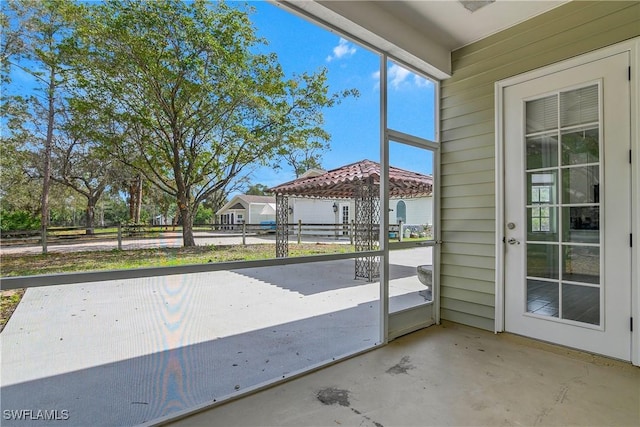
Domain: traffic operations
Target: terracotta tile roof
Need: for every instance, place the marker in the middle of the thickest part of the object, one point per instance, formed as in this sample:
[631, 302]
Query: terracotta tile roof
[342, 182]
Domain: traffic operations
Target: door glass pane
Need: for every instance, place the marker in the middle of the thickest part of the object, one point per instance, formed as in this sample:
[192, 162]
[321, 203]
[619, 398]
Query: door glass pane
[581, 224]
[581, 264]
[542, 261]
[563, 205]
[581, 185]
[541, 187]
[581, 146]
[581, 303]
[542, 151]
[542, 298]
[541, 222]
[579, 106]
[542, 114]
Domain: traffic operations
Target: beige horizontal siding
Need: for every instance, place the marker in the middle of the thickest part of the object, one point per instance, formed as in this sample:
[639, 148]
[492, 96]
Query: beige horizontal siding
[462, 249]
[465, 179]
[471, 285]
[466, 318]
[477, 165]
[487, 152]
[482, 189]
[469, 308]
[469, 119]
[479, 104]
[483, 298]
[471, 225]
[464, 213]
[486, 238]
[477, 141]
[467, 202]
[470, 260]
[468, 137]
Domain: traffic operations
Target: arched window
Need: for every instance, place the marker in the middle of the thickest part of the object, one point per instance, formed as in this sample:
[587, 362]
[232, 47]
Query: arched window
[401, 212]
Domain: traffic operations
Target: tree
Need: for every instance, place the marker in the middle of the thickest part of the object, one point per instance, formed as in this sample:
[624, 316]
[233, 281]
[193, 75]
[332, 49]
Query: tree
[304, 158]
[17, 190]
[257, 190]
[11, 44]
[43, 27]
[198, 104]
[79, 164]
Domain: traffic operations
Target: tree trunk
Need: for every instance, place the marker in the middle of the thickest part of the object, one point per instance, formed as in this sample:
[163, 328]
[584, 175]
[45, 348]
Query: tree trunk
[132, 201]
[89, 215]
[135, 199]
[46, 178]
[187, 226]
[138, 198]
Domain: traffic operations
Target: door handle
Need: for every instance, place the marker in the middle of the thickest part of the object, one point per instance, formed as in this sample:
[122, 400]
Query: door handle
[513, 241]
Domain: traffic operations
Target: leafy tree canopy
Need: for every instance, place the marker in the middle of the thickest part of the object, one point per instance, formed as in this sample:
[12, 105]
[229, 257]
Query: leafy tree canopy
[195, 102]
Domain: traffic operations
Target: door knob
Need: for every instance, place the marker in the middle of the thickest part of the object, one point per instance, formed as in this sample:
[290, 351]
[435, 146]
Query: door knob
[513, 241]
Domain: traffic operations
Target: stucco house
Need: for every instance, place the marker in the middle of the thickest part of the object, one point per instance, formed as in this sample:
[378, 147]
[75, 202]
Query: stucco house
[413, 210]
[318, 197]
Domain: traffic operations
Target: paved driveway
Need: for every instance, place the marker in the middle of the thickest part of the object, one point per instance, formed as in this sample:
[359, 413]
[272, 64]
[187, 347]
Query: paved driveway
[168, 240]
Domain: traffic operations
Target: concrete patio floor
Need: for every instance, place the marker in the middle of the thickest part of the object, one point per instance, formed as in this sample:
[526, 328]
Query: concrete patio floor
[447, 375]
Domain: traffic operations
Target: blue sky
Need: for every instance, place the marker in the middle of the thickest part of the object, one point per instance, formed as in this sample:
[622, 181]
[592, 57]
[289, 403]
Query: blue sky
[354, 124]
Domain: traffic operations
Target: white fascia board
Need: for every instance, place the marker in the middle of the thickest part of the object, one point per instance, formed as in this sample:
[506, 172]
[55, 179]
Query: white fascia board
[368, 24]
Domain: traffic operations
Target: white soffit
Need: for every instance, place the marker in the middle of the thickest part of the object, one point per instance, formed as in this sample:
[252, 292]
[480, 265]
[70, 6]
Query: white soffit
[420, 33]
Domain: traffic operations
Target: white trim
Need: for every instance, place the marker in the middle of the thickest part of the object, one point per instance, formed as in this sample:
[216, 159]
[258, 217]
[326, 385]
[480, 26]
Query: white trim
[437, 236]
[412, 140]
[499, 238]
[384, 204]
[635, 196]
[633, 48]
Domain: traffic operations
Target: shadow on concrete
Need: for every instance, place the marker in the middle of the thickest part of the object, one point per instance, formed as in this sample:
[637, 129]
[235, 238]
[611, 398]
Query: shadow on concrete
[313, 278]
[141, 389]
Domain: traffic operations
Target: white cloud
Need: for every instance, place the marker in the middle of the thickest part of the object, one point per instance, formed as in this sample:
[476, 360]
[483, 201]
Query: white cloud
[397, 75]
[343, 50]
[421, 81]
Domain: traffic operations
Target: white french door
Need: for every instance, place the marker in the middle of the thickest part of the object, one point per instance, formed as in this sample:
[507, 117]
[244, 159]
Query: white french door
[567, 189]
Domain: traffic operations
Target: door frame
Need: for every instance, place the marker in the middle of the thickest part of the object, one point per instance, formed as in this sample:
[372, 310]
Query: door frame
[633, 48]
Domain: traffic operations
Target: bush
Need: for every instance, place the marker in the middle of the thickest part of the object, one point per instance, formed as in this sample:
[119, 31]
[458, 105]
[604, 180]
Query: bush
[18, 220]
[203, 216]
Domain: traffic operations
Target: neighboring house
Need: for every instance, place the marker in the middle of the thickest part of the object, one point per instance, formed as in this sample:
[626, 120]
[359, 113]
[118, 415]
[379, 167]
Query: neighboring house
[162, 220]
[250, 209]
[315, 198]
